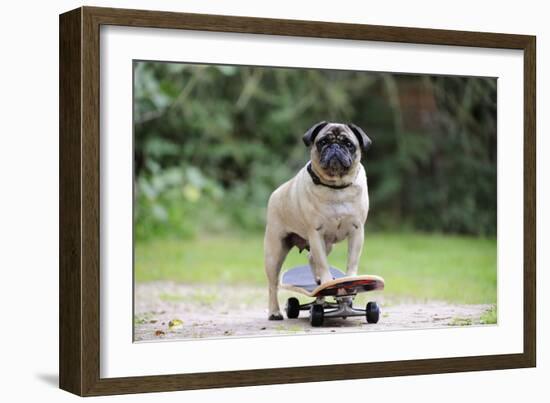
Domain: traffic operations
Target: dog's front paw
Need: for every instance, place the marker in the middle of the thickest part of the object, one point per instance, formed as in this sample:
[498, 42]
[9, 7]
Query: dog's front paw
[325, 279]
[275, 316]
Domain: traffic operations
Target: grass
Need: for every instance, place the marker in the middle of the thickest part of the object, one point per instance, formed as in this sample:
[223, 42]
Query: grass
[421, 266]
[461, 322]
[489, 317]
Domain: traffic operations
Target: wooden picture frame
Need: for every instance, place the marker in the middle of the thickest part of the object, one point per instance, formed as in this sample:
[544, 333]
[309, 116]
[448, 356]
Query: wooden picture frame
[79, 280]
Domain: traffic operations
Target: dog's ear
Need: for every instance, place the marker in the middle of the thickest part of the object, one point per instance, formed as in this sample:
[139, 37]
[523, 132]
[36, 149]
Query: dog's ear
[310, 135]
[364, 140]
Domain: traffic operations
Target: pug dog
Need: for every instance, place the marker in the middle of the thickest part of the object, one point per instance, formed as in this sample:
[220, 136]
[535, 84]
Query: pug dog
[326, 202]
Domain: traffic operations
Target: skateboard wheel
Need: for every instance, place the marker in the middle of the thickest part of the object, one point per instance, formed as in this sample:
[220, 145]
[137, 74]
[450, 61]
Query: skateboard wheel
[316, 315]
[292, 308]
[372, 312]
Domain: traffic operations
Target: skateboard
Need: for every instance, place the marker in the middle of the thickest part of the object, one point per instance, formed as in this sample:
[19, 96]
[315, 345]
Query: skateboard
[343, 289]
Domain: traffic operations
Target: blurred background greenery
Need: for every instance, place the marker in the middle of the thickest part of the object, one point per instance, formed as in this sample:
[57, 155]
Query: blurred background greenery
[212, 143]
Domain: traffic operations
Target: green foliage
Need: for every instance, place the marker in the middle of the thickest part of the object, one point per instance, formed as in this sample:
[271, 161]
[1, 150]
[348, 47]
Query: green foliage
[490, 317]
[174, 201]
[420, 266]
[212, 142]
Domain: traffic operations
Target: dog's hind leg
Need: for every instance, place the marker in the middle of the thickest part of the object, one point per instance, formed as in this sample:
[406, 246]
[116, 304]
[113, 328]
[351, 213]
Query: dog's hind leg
[275, 251]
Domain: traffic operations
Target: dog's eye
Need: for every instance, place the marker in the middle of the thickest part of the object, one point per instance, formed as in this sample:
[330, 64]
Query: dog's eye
[349, 144]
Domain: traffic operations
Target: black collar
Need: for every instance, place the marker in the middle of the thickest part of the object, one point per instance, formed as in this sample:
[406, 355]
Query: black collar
[318, 181]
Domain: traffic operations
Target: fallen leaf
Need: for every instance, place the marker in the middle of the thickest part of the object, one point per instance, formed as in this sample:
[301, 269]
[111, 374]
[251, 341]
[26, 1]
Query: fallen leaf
[153, 321]
[159, 333]
[175, 324]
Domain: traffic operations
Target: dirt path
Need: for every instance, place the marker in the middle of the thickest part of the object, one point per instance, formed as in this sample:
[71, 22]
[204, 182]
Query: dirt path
[166, 310]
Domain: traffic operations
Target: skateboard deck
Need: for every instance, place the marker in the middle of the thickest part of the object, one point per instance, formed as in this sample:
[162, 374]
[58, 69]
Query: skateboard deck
[300, 279]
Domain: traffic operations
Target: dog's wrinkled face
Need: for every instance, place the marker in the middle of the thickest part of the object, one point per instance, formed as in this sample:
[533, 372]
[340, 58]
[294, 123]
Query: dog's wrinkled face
[337, 150]
[336, 147]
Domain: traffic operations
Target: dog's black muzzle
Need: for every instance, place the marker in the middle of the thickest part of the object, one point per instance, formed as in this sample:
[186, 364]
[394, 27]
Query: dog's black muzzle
[335, 158]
